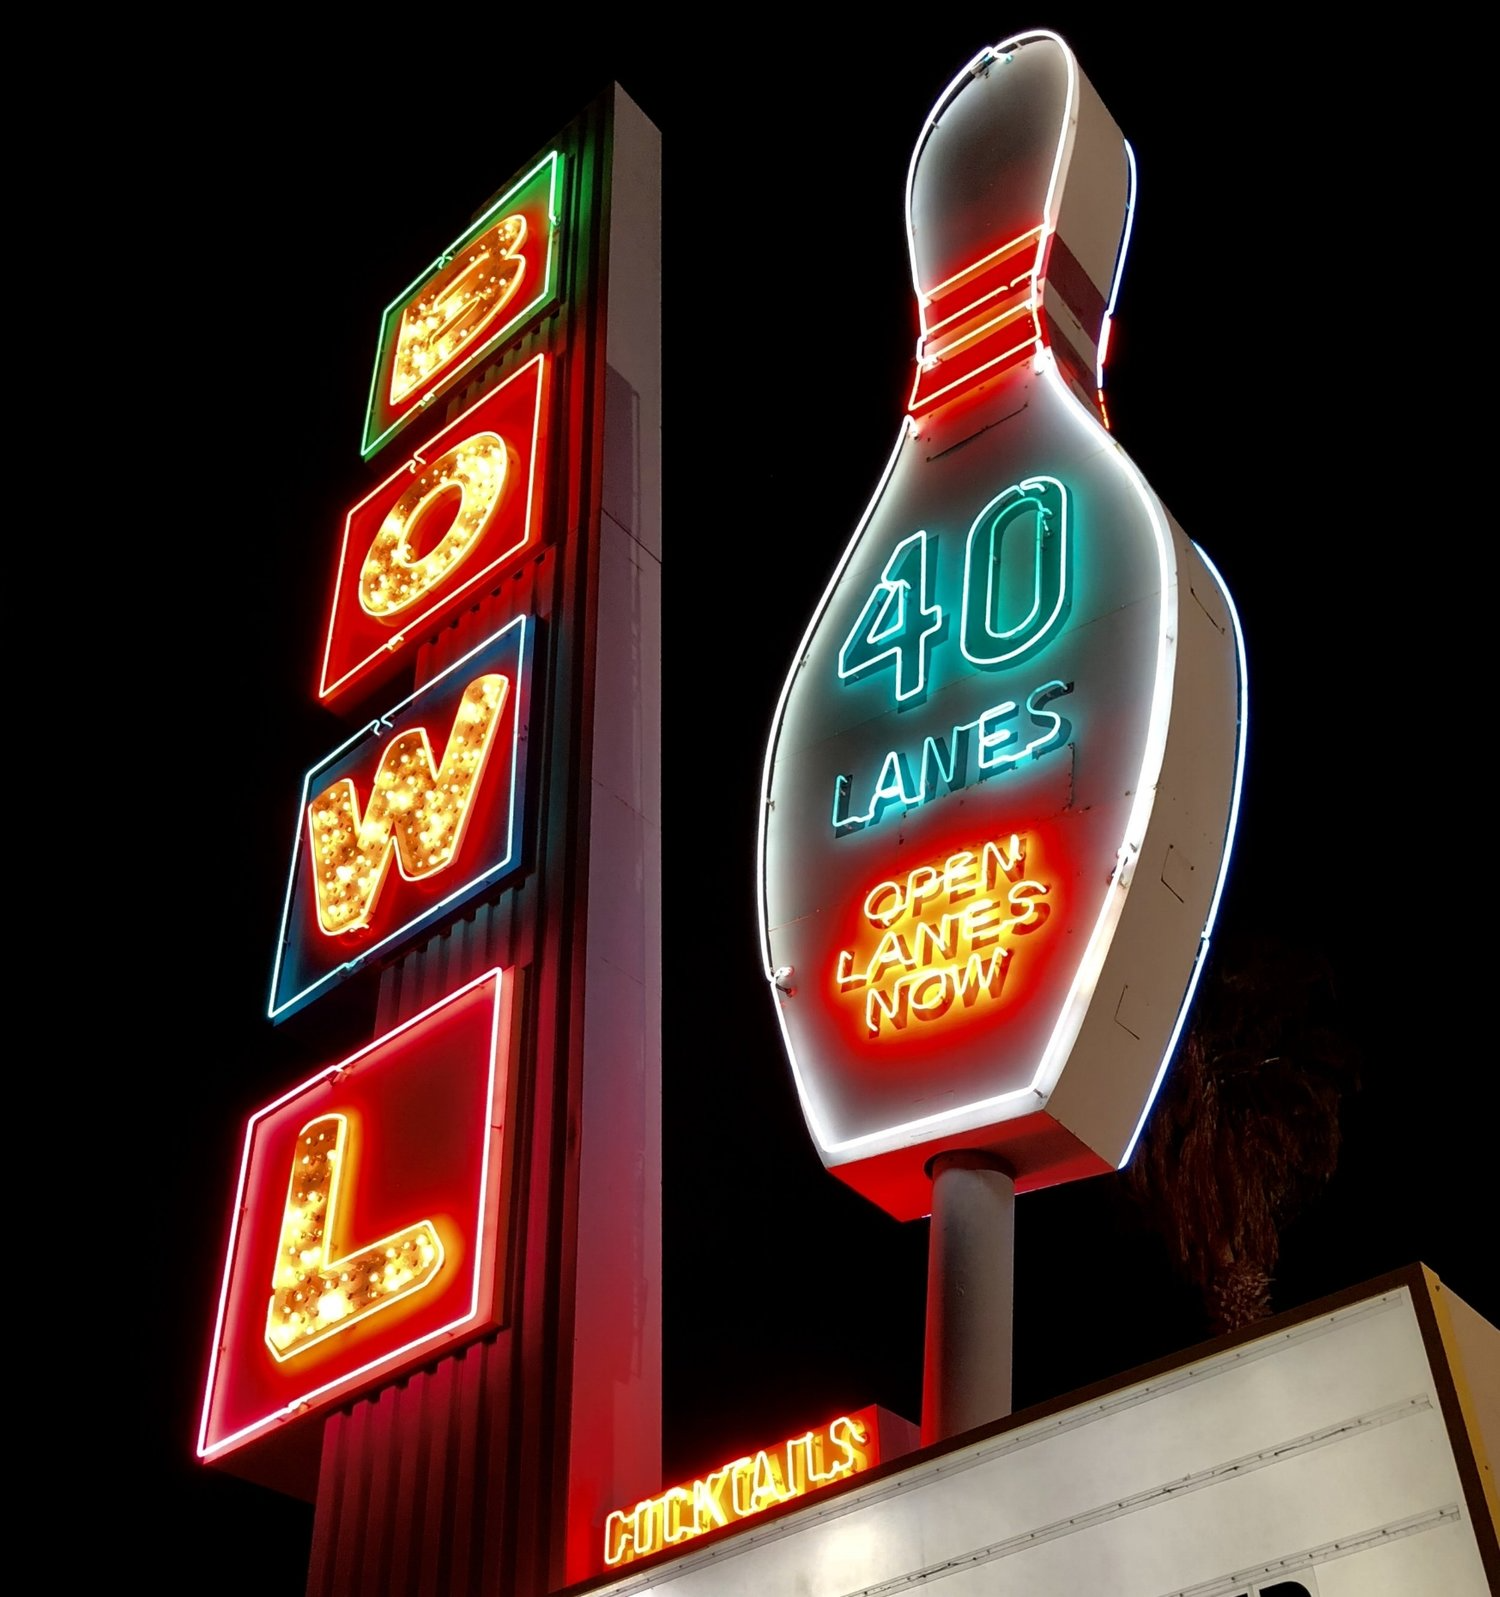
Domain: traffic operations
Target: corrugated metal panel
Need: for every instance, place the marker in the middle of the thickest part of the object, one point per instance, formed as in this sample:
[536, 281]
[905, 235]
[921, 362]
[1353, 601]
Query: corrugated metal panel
[446, 1484]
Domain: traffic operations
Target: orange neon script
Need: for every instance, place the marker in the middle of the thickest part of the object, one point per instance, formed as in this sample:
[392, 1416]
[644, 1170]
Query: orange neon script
[942, 932]
[745, 1486]
[317, 1293]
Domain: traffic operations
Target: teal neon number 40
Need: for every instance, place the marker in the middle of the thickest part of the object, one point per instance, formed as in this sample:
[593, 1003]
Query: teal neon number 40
[1008, 605]
[891, 624]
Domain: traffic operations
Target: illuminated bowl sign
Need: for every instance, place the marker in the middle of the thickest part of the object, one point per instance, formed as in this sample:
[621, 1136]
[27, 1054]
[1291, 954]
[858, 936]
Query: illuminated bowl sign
[414, 814]
[468, 504]
[1001, 781]
[493, 278]
[367, 1230]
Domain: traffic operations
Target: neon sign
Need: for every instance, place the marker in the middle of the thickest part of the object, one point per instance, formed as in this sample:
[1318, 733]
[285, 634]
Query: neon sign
[449, 822]
[462, 510]
[1017, 643]
[415, 812]
[496, 275]
[367, 1231]
[898, 621]
[745, 1486]
[939, 936]
[318, 1292]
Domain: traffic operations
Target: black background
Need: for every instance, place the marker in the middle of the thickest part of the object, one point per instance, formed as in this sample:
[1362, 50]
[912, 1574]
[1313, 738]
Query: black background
[1289, 370]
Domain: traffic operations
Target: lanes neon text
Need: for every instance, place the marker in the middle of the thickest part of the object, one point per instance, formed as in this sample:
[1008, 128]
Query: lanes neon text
[994, 741]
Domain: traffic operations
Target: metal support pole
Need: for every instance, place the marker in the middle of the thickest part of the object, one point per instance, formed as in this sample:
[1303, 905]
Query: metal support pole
[970, 1291]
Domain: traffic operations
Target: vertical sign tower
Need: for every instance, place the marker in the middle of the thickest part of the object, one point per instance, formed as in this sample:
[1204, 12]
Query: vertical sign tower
[440, 1308]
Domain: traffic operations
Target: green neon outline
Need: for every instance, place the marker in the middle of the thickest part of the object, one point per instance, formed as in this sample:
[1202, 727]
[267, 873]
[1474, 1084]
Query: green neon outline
[369, 447]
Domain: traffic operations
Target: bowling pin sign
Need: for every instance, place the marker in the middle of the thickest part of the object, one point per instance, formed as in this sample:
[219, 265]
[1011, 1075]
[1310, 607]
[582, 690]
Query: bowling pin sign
[1002, 778]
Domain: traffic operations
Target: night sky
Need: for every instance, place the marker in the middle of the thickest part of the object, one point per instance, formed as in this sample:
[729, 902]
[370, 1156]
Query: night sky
[1281, 372]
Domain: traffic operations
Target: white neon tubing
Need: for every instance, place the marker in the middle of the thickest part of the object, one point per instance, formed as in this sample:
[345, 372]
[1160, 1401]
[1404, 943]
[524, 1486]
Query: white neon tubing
[1114, 287]
[1048, 224]
[906, 430]
[1070, 1019]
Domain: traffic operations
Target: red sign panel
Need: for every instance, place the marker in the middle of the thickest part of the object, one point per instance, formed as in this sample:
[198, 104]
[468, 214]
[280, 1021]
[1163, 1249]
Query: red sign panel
[447, 519]
[367, 1219]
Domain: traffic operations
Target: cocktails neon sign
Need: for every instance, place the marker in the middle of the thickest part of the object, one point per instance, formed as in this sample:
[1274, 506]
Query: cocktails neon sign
[743, 1487]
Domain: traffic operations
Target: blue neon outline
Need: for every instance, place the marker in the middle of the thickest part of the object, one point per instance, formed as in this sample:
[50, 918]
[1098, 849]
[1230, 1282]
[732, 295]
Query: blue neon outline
[1114, 287]
[275, 1011]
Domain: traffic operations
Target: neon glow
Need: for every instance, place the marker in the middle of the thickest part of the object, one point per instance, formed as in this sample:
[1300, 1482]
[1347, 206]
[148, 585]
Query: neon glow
[973, 750]
[395, 577]
[1114, 286]
[929, 955]
[743, 1487]
[458, 302]
[497, 275]
[998, 319]
[318, 1292]
[1043, 502]
[905, 776]
[415, 812]
[453, 829]
[449, 1067]
[1070, 1018]
[983, 361]
[890, 625]
[403, 567]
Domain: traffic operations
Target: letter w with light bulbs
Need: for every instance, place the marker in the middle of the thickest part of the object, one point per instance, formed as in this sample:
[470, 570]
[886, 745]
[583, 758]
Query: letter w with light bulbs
[1002, 780]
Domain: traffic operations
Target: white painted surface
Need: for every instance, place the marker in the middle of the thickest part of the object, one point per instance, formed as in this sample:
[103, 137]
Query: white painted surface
[1318, 1449]
[616, 1379]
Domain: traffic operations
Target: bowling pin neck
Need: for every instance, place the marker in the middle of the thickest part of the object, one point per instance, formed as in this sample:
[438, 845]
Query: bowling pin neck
[982, 328]
[1019, 199]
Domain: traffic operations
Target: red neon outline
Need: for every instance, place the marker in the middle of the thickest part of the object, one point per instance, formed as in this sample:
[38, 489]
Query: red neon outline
[501, 1027]
[442, 595]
